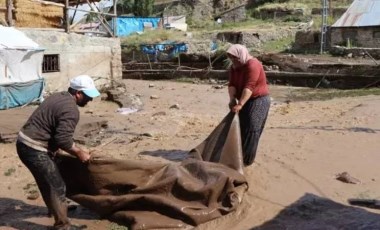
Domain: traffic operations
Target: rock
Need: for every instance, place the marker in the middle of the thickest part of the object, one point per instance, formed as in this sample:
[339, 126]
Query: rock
[162, 113]
[212, 81]
[218, 87]
[175, 106]
[154, 97]
[347, 178]
[349, 55]
[33, 196]
[151, 85]
[124, 100]
[147, 134]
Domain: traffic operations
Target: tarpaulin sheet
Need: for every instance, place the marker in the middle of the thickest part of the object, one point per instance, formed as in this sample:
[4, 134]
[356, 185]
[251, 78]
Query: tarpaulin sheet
[149, 195]
[129, 25]
[168, 47]
[20, 93]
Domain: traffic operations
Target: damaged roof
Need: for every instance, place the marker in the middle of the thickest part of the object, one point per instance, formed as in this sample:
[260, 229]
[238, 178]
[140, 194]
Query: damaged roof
[361, 13]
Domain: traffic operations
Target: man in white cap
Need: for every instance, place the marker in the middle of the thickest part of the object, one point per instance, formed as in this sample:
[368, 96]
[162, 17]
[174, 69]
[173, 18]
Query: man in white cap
[51, 128]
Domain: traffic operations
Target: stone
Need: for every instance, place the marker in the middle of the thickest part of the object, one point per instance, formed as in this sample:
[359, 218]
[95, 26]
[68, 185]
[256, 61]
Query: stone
[175, 106]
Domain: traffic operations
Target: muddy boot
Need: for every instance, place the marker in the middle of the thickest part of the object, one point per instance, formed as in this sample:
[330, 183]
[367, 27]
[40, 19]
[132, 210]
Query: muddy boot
[59, 211]
[71, 205]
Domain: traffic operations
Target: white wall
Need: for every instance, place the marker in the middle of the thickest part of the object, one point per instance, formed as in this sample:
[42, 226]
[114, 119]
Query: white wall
[79, 54]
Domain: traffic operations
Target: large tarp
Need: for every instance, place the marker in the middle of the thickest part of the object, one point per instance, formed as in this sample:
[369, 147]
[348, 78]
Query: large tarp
[128, 25]
[151, 195]
[20, 93]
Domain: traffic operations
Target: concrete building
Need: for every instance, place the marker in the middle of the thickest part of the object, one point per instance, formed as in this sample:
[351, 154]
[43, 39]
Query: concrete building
[66, 54]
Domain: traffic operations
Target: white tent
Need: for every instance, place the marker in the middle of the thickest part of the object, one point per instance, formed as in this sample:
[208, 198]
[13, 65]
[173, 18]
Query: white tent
[20, 69]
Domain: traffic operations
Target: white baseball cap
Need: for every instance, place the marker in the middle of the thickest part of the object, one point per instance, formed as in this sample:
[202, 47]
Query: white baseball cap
[85, 84]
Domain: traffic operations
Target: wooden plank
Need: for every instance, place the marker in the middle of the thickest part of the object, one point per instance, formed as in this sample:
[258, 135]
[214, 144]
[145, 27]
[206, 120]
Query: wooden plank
[91, 11]
[9, 13]
[269, 74]
[101, 19]
[89, 31]
[66, 16]
[49, 3]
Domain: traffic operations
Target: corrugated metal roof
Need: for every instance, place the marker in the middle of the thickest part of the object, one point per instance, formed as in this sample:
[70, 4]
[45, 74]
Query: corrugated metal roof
[360, 13]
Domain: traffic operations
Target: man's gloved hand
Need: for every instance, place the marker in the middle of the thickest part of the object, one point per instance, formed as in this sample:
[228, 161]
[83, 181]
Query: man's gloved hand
[84, 156]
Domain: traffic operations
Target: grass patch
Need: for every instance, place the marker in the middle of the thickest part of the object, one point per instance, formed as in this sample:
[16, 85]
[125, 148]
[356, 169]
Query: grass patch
[248, 24]
[286, 5]
[279, 45]
[152, 37]
[114, 226]
[306, 94]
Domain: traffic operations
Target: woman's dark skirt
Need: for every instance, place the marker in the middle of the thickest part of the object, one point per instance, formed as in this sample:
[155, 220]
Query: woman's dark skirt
[252, 117]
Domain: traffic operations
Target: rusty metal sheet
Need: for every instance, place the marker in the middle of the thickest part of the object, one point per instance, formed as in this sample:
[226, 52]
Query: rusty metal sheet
[361, 13]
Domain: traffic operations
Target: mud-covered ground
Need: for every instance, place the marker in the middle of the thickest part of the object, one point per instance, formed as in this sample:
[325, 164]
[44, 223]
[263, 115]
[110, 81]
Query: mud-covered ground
[293, 182]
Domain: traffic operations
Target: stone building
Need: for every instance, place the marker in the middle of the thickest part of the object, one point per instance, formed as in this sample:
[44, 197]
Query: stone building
[359, 26]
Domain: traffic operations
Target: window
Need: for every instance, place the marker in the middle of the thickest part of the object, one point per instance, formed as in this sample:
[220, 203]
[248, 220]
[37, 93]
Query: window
[50, 63]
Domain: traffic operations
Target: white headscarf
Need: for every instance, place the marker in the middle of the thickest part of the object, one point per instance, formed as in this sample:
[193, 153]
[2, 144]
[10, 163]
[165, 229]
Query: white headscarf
[240, 52]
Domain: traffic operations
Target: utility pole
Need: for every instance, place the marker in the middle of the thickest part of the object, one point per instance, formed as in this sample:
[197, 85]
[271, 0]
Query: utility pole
[325, 14]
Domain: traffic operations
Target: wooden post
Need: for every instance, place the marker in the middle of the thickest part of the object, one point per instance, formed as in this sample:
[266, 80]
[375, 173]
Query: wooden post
[66, 16]
[112, 76]
[209, 60]
[101, 19]
[114, 18]
[147, 55]
[10, 12]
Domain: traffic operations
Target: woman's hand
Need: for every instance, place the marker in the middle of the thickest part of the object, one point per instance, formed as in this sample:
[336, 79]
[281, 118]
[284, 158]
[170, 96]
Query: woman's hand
[232, 103]
[236, 108]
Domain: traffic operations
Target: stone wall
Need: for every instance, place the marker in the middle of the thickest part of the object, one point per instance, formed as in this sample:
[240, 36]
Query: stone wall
[207, 10]
[254, 39]
[234, 15]
[356, 52]
[307, 40]
[98, 57]
[368, 37]
[276, 13]
[334, 12]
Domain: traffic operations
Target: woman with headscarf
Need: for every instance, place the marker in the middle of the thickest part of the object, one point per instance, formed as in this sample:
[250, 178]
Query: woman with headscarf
[249, 97]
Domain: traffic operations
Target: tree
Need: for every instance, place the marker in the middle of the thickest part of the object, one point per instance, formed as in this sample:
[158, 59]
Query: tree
[143, 8]
[126, 6]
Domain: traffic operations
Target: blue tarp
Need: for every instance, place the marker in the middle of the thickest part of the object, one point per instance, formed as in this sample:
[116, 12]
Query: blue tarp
[129, 25]
[20, 93]
[171, 48]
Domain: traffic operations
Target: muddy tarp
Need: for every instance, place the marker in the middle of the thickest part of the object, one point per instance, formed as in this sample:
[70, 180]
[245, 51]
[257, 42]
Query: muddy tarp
[151, 195]
[223, 145]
